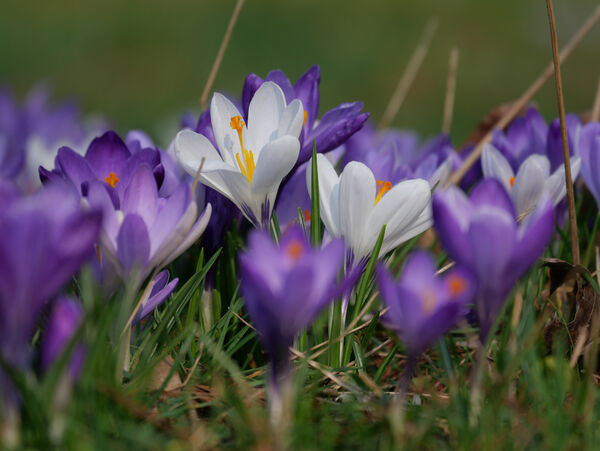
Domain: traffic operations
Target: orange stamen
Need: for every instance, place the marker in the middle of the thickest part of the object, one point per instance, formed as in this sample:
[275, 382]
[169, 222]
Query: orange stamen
[295, 249]
[248, 166]
[511, 181]
[456, 284]
[305, 117]
[307, 215]
[382, 188]
[98, 254]
[112, 179]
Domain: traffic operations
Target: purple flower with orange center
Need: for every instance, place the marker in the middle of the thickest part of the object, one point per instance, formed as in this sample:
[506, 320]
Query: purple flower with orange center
[108, 160]
[481, 233]
[285, 286]
[422, 306]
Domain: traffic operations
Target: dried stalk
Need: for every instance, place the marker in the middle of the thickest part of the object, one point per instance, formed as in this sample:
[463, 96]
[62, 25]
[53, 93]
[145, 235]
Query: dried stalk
[409, 75]
[224, 43]
[596, 109]
[450, 90]
[565, 138]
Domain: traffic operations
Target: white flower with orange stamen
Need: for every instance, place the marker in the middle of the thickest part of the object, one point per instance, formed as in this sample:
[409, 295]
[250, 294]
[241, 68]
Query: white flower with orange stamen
[355, 206]
[531, 182]
[253, 158]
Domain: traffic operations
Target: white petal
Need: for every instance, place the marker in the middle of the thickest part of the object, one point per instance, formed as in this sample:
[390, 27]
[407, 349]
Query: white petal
[356, 202]
[195, 233]
[264, 114]
[555, 185]
[399, 209]
[328, 193]
[292, 119]
[494, 165]
[228, 141]
[529, 183]
[276, 160]
[191, 147]
[418, 225]
[441, 174]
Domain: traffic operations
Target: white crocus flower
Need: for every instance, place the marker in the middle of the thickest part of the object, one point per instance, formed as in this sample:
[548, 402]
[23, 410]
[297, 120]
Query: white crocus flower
[355, 206]
[252, 159]
[532, 181]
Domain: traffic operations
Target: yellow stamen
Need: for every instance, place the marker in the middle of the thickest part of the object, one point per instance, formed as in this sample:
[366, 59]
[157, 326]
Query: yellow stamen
[295, 249]
[112, 179]
[382, 188]
[247, 166]
[98, 254]
[456, 284]
[307, 215]
[305, 117]
[511, 181]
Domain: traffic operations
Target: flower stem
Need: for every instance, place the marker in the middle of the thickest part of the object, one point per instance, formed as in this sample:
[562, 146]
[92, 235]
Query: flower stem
[565, 139]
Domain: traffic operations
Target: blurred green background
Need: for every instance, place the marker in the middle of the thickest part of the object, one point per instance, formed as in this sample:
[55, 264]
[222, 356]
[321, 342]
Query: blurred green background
[143, 62]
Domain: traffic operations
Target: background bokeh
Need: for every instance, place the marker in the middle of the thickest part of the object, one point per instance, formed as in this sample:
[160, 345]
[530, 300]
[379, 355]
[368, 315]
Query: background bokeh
[143, 62]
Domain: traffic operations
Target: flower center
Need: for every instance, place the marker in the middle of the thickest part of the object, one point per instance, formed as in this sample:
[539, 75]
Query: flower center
[295, 250]
[246, 162]
[382, 188]
[307, 215]
[112, 179]
[456, 284]
[511, 181]
[429, 301]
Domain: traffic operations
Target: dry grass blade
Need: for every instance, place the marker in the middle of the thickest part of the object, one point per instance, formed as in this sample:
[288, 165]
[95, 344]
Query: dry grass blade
[450, 90]
[409, 75]
[596, 109]
[526, 97]
[224, 43]
[565, 138]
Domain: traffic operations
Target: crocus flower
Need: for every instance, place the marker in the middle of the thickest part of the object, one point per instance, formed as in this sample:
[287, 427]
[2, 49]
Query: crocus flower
[397, 155]
[533, 180]
[355, 206]
[482, 234]
[160, 290]
[589, 150]
[329, 132]
[252, 159]
[44, 239]
[65, 318]
[423, 306]
[285, 286]
[145, 231]
[107, 159]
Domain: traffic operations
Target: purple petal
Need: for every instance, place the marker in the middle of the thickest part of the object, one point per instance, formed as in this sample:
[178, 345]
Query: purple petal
[107, 153]
[490, 192]
[251, 85]
[451, 215]
[307, 90]
[133, 244]
[141, 195]
[277, 76]
[74, 166]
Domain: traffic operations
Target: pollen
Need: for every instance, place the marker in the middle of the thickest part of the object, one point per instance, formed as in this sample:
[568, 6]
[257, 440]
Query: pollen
[511, 181]
[456, 284]
[295, 250]
[382, 188]
[112, 179]
[307, 215]
[246, 161]
[305, 117]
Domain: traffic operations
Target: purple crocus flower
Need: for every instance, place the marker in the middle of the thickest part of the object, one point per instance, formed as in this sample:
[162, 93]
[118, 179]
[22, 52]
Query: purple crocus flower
[161, 289]
[423, 306]
[334, 127]
[65, 318]
[145, 232]
[589, 150]
[481, 233]
[109, 160]
[44, 239]
[396, 155]
[285, 286]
